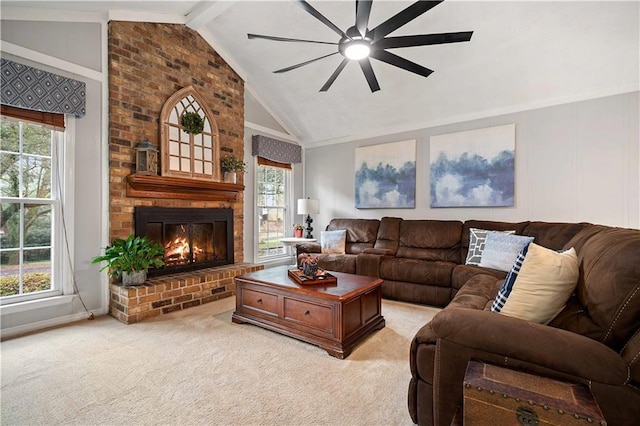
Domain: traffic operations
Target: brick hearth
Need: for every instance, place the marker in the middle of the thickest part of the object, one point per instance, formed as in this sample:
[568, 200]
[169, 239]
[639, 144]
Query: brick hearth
[171, 293]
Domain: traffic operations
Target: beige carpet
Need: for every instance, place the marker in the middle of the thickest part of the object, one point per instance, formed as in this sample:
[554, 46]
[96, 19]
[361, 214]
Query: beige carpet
[196, 367]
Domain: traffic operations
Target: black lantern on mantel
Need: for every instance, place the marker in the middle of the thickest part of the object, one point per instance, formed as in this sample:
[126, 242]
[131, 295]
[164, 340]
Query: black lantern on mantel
[146, 158]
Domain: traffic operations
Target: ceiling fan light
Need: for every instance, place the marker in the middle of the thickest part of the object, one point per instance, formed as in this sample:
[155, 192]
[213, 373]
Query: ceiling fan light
[357, 51]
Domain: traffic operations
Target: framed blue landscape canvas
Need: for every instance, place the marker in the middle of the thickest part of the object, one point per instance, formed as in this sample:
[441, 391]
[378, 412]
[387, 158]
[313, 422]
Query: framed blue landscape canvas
[475, 168]
[386, 176]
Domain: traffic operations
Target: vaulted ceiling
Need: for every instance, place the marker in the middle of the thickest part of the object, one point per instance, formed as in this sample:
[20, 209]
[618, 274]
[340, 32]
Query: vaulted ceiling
[522, 55]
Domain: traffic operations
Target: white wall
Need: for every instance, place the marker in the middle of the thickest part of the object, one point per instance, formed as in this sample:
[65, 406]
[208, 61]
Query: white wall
[574, 162]
[74, 50]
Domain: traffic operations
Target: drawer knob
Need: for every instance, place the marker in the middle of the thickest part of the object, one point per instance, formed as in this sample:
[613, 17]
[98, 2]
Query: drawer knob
[259, 300]
[307, 313]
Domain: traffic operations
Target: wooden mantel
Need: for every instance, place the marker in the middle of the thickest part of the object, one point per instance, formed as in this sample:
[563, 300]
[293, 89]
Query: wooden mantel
[151, 186]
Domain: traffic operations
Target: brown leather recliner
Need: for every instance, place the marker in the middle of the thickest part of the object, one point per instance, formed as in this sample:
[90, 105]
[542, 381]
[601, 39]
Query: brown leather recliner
[361, 235]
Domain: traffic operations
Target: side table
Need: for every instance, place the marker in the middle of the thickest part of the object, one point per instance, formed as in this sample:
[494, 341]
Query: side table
[290, 243]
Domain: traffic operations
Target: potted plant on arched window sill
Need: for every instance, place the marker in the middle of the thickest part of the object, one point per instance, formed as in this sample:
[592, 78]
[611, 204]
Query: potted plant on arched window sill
[230, 166]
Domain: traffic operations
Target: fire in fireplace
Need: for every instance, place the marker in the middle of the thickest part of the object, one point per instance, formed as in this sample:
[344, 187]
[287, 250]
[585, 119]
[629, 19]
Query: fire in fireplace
[192, 238]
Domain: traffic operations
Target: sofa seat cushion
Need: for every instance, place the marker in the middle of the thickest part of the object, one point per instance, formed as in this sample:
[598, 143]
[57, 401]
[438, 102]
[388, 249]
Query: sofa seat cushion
[416, 293]
[338, 262]
[417, 271]
[478, 292]
[463, 273]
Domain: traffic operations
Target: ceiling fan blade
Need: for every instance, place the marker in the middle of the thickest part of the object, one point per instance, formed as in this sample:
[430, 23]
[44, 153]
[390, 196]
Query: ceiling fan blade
[365, 64]
[335, 74]
[293, 67]
[266, 37]
[363, 9]
[397, 61]
[402, 17]
[319, 16]
[422, 40]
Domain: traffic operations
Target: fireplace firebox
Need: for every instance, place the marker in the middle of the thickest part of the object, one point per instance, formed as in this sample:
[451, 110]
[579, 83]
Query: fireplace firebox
[193, 238]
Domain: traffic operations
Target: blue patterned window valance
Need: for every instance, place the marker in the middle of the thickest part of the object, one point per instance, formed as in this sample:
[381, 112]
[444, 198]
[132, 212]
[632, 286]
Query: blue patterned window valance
[26, 87]
[276, 150]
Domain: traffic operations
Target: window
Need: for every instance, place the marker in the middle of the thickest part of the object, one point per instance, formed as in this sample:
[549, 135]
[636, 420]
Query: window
[30, 248]
[272, 199]
[190, 154]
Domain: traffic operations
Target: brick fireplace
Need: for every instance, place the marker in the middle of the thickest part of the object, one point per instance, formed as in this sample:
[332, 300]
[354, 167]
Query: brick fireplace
[149, 62]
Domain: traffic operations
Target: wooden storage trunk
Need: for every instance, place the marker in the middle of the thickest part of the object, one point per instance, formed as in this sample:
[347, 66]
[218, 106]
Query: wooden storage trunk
[500, 396]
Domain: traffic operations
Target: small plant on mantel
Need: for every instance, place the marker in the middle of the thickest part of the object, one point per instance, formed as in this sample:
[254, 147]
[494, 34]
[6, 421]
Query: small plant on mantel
[229, 163]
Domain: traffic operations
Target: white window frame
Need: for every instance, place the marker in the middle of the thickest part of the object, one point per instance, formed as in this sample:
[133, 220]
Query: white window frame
[63, 192]
[288, 217]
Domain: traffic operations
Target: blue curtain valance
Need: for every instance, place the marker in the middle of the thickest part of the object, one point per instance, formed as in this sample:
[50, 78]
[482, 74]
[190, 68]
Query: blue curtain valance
[276, 150]
[30, 88]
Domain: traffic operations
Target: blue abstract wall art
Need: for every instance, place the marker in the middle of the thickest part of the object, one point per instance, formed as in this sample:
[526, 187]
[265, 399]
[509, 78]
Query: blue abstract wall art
[475, 168]
[386, 176]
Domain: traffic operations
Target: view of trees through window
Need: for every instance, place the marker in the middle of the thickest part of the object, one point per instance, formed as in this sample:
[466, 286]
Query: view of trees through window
[271, 208]
[26, 216]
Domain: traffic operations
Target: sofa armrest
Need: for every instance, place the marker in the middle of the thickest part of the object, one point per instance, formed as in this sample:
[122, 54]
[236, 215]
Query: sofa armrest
[512, 338]
[368, 264]
[465, 334]
[310, 247]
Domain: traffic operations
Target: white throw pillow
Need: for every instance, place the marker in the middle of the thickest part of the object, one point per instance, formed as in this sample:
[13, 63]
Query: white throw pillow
[501, 250]
[333, 242]
[477, 239]
[545, 282]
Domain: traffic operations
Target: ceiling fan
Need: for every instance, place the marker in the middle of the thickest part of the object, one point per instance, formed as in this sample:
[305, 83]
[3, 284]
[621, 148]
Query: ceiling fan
[359, 43]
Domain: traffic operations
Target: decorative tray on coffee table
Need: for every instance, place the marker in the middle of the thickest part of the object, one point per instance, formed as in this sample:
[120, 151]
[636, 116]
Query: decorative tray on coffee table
[322, 277]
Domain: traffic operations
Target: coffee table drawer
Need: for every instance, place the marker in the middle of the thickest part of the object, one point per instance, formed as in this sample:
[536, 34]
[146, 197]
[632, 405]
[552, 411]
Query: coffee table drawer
[310, 314]
[259, 300]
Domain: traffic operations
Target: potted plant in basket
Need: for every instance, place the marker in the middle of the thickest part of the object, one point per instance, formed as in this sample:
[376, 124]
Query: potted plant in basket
[131, 258]
[230, 165]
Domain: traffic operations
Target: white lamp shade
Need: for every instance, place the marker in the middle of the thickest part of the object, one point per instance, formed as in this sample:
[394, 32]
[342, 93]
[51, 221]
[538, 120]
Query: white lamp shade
[308, 206]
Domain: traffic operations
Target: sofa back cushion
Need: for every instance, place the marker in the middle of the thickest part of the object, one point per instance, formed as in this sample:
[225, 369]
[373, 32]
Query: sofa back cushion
[389, 234]
[553, 235]
[489, 226]
[430, 240]
[361, 233]
[606, 304]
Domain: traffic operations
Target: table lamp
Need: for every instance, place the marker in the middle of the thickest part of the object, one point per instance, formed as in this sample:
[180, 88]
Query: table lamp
[308, 206]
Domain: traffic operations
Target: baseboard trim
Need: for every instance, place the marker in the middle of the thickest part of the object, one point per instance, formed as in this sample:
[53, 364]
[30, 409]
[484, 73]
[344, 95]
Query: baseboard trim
[41, 325]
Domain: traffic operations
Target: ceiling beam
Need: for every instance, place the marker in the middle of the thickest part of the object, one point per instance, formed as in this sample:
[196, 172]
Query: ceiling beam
[205, 12]
[137, 16]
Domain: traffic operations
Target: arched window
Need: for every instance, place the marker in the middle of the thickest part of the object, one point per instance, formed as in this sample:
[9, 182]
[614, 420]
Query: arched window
[186, 154]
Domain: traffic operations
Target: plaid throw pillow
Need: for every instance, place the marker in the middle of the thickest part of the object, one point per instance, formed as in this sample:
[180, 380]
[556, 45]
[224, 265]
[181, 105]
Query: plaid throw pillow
[507, 285]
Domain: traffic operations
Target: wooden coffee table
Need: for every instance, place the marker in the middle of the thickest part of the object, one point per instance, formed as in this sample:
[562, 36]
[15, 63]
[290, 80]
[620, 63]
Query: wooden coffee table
[335, 317]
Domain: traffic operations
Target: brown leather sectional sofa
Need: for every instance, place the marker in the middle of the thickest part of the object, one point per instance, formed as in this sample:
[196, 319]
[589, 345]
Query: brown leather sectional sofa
[595, 340]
